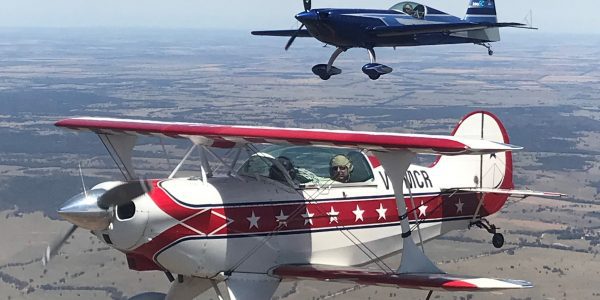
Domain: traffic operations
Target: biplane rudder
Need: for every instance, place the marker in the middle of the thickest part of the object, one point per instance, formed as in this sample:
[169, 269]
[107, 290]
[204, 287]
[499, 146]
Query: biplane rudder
[477, 171]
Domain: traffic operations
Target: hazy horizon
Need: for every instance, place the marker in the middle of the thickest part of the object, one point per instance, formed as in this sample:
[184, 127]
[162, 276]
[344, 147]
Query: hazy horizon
[577, 17]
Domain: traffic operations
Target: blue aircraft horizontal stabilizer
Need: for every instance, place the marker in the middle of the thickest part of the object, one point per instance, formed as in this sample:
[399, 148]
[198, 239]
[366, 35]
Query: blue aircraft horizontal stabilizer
[299, 33]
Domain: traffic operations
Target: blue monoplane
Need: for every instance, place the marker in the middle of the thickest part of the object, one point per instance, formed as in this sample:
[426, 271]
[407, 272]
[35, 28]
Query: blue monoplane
[404, 24]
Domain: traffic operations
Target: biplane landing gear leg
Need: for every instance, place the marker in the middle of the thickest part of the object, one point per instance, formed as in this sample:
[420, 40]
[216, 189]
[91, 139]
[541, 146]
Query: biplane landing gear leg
[429, 295]
[488, 46]
[373, 69]
[497, 238]
[325, 71]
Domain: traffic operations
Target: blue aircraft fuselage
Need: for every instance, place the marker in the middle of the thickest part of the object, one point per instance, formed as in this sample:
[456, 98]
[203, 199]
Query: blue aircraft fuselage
[345, 28]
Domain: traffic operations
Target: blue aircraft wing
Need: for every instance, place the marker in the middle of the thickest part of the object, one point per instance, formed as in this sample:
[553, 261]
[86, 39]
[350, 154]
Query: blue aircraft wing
[298, 33]
[401, 30]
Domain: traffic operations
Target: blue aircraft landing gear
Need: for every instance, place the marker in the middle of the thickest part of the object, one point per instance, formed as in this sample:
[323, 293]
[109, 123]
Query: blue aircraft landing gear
[488, 46]
[325, 71]
[321, 71]
[373, 69]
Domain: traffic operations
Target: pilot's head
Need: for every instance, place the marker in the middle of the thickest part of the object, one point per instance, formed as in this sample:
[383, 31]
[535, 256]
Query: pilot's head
[407, 9]
[340, 168]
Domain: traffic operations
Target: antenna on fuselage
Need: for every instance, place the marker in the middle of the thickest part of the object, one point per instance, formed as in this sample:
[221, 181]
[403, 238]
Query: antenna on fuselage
[82, 182]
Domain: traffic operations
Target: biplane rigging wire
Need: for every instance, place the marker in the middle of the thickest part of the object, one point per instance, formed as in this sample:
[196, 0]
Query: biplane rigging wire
[162, 143]
[112, 155]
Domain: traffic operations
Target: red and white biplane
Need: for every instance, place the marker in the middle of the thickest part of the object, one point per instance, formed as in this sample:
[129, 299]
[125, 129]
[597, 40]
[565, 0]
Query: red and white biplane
[280, 216]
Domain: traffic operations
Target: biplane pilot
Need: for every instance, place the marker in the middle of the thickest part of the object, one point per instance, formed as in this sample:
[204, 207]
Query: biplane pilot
[340, 168]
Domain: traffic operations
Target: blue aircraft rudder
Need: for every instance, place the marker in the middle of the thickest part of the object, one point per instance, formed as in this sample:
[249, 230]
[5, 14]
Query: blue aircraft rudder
[481, 11]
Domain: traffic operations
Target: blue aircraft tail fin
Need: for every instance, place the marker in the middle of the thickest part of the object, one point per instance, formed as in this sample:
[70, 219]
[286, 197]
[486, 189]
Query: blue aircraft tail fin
[481, 11]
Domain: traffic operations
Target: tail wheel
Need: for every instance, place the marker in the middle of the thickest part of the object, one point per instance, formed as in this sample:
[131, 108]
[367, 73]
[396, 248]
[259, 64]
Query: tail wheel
[498, 240]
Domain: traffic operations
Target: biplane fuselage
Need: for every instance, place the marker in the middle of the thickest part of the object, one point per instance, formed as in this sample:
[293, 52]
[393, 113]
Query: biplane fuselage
[194, 228]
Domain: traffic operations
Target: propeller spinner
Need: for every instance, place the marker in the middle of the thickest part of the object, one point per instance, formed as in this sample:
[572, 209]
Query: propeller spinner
[94, 209]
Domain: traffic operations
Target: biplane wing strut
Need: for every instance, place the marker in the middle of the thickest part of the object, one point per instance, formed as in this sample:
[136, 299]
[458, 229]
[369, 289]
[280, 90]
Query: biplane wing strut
[396, 164]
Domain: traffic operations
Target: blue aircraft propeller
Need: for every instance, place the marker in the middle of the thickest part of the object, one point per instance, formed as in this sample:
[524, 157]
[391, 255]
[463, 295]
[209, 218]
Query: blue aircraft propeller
[307, 5]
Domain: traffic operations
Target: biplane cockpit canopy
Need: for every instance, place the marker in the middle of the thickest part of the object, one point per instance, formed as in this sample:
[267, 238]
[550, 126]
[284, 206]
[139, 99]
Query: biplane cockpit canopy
[305, 165]
[414, 9]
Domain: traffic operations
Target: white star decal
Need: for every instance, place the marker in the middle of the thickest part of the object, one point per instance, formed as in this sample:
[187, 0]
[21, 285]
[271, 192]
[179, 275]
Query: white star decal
[282, 219]
[422, 210]
[459, 206]
[358, 213]
[381, 211]
[253, 219]
[308, 217]
[333, 215]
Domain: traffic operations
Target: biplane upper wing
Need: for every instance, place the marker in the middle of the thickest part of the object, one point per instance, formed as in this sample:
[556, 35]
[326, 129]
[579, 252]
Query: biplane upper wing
[228, 136]
[422, 281]
[401, 30]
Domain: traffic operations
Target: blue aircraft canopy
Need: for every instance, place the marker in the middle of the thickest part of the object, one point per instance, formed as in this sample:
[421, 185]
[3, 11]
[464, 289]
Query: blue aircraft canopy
[411, 8]
[418, 10]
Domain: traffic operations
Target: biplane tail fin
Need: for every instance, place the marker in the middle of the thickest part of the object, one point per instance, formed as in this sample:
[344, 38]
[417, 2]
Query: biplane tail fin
[481, 11]
[492, 171]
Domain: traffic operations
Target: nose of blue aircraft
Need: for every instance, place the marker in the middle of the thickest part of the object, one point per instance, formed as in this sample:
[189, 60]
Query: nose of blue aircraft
[307, 17]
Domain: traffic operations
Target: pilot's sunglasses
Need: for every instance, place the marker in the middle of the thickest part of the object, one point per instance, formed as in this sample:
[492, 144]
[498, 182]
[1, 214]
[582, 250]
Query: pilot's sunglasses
[339, 168]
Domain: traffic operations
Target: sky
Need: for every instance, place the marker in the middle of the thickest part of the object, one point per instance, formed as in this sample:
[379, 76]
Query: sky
[549, 15]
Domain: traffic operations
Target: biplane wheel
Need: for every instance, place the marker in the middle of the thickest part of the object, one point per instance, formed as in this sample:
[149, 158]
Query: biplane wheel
[498, 240]
[491, 52]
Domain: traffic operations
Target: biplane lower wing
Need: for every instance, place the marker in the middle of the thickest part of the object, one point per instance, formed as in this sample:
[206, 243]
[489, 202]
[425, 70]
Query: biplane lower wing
[516, 193]
[421, 281]
[228, 136]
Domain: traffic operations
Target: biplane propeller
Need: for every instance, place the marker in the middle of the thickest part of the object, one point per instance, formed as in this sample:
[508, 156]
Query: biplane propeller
[312, 205]
[94, 209]
[405, 24]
